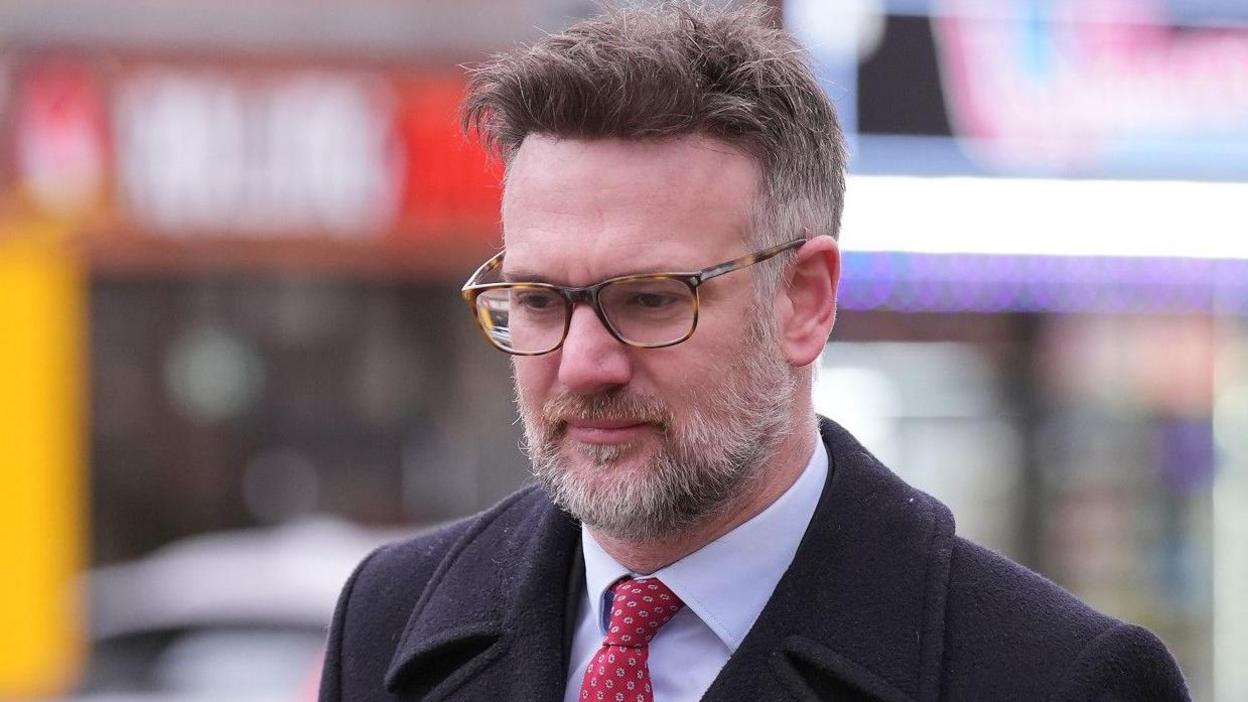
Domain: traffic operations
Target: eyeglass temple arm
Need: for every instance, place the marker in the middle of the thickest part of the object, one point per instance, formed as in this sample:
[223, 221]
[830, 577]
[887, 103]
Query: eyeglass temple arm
[703, 275]
[484, 268]
[747, 260]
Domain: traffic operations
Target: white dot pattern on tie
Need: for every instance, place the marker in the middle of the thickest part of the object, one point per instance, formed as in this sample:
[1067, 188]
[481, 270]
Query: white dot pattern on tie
[619, 672]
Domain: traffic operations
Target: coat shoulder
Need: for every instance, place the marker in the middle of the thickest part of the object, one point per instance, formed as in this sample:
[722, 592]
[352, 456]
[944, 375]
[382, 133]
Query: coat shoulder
[414, 560]
[1008, 628]
[376, 602]
[403, 568]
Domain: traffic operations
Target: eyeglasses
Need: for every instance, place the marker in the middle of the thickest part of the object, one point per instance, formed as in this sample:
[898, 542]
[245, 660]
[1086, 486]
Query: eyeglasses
[648, 311]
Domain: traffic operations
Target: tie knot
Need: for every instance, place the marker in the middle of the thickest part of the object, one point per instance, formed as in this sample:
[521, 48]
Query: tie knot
[638, 609]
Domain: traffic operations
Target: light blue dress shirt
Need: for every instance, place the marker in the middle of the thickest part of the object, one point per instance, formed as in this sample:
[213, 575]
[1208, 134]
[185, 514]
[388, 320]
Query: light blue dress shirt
[724, 585]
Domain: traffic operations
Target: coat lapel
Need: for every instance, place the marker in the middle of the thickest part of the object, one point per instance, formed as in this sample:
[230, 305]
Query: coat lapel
[860, 612]
[491, 623]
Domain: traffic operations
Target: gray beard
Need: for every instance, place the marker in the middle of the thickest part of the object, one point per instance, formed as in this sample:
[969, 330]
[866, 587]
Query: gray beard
[706, 461]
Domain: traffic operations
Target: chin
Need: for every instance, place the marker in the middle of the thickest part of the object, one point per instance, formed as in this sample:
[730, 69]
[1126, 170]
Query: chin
[613, 456]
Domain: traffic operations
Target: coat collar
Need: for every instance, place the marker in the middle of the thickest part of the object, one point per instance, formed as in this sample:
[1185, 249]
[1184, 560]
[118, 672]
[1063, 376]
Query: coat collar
[861, 608]
[498, 596]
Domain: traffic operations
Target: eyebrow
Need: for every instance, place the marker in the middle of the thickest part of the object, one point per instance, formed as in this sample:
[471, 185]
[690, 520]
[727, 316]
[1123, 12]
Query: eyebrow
[527, 277]
[524, 276]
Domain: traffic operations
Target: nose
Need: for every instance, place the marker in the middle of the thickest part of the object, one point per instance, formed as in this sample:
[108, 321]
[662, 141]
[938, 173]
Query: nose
[591, 360]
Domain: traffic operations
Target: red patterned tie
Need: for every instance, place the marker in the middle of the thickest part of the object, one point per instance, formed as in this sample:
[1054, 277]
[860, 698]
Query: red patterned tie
[619, 672]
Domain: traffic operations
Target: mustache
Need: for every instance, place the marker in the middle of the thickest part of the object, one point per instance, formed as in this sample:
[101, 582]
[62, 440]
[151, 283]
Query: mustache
[615, 405]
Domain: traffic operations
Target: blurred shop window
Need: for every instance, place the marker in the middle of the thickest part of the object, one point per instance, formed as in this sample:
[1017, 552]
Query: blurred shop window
[1128, 457]
[932, 412]
[234, 401]
[1087, 447]
[1230, 626]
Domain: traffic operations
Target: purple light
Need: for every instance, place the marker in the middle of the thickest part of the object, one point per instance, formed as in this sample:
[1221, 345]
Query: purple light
[962, 282]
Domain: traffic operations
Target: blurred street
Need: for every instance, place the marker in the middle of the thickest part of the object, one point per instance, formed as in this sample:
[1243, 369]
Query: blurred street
[234, 358]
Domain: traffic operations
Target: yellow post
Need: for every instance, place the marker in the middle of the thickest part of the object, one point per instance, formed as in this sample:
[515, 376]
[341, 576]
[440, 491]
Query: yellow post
[42, 460]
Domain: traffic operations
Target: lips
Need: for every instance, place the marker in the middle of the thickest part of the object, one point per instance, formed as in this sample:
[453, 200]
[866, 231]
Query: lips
[606, 431]
[602, 423]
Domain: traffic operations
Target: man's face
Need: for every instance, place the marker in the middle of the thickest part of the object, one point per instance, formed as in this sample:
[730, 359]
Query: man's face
[642, 443]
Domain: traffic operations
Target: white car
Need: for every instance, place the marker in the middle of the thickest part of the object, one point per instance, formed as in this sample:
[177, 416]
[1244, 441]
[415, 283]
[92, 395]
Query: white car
[231, 616]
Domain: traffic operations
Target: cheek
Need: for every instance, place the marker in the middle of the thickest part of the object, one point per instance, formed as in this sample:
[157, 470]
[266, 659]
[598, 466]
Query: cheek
[696, 368]
[678, 373]
[534, 375]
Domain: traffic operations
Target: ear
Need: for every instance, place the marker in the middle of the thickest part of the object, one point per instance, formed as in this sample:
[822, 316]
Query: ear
[806, 306]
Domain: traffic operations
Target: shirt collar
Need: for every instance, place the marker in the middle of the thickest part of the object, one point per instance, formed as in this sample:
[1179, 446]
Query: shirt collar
[753, 557]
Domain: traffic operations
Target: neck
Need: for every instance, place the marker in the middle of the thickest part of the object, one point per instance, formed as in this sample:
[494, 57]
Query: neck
[777, 477]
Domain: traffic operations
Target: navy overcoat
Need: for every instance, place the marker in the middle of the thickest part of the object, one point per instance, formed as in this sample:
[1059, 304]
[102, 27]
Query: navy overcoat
[882, 602]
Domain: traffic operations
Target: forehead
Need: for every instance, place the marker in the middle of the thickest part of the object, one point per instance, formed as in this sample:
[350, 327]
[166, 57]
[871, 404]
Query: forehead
[583, 210]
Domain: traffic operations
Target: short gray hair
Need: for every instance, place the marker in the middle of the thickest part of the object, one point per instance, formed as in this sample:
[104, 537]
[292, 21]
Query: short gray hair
[679, 68]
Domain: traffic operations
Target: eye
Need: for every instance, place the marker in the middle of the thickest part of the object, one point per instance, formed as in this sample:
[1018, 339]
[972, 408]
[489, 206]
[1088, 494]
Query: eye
[534, 300]
[652, 300]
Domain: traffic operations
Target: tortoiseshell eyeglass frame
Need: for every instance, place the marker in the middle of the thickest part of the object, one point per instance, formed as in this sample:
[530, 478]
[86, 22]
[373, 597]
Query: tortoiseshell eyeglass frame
[589, 294]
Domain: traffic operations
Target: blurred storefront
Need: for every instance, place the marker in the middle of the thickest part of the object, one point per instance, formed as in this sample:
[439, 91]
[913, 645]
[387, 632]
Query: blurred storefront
[243, 258]
[1043, 310]
[260, 217]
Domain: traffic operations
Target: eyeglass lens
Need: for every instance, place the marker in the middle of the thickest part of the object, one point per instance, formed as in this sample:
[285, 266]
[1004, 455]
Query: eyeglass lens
[641, 311]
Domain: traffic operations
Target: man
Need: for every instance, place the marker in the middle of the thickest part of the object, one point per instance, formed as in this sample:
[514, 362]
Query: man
[695, 533]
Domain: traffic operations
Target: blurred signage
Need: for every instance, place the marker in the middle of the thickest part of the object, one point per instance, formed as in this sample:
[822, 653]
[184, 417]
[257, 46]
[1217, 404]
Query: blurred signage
[1107, 88]
[189, 152]
[1121, 99]
[1109, 246]
[203, 150]
[1042, 89]
[59, 153]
